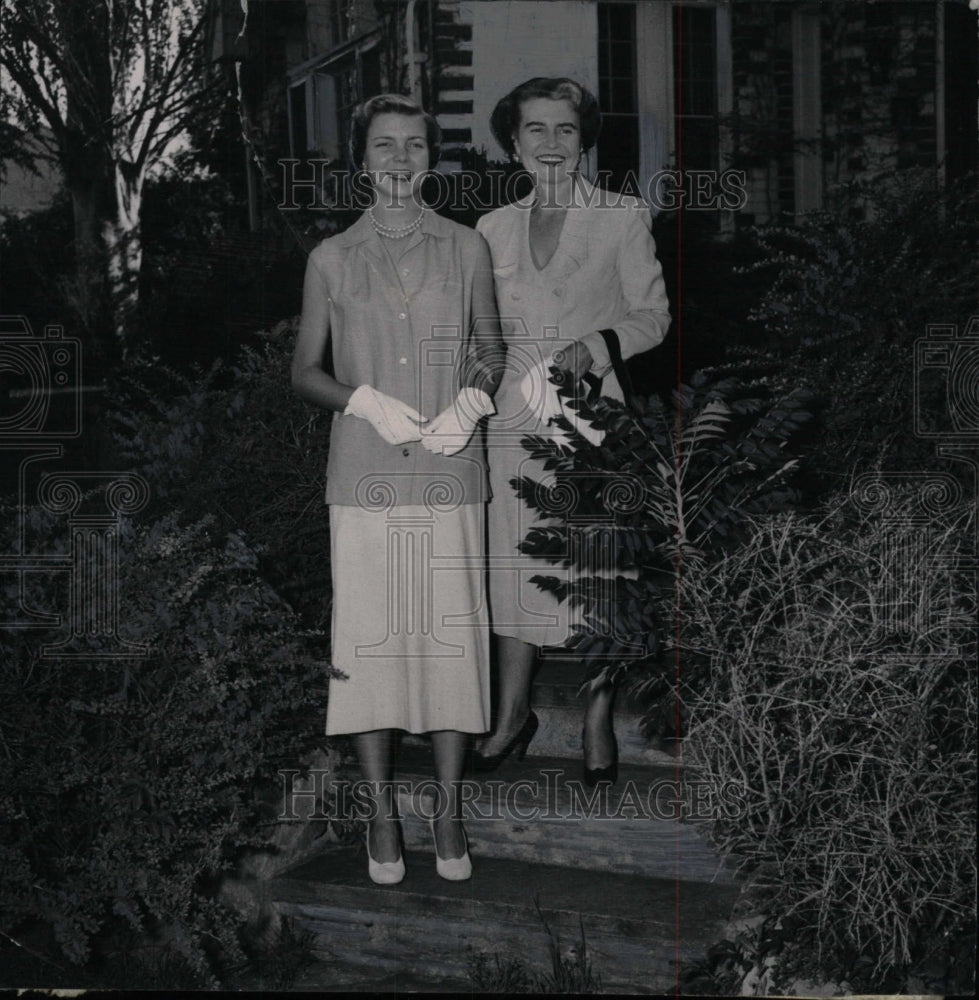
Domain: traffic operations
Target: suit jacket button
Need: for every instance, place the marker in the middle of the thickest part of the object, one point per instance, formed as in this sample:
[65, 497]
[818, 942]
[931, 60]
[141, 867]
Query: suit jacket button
[405, 452]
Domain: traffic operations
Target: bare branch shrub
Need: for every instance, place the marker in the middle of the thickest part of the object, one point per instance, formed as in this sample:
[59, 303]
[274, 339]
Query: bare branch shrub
[842, 654]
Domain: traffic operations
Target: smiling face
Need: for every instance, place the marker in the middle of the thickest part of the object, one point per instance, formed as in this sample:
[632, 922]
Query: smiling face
[548, 140]
[396, 156]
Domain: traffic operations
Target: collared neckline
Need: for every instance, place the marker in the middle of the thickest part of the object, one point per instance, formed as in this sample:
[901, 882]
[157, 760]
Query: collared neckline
[363, 232]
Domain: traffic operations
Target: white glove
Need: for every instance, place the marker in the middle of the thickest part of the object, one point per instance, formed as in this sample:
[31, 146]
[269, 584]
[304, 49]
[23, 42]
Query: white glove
[395, 421]
[542, 396]
[541, 393]
[451, 430]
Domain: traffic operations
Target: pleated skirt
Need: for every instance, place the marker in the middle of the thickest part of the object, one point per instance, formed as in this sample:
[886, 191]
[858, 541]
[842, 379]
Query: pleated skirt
[410, 620]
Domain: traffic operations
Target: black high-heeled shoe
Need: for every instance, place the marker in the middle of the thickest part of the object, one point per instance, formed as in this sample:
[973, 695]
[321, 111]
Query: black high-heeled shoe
[520, 742]
[593, 775]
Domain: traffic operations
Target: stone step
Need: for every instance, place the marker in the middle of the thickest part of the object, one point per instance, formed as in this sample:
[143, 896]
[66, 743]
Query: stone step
[636, 930]
[650, 823]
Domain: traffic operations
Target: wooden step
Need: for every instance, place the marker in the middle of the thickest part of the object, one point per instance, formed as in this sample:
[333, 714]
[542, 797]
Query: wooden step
[650, 823]
[560, 708]
[320, 976]
[636, 929]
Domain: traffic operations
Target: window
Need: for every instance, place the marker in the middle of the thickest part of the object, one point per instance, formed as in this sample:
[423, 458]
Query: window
[348, 97]
[618, 146]
[961, 92]
[298, 125]
[338, 30]
[695, 87]
[322, 99]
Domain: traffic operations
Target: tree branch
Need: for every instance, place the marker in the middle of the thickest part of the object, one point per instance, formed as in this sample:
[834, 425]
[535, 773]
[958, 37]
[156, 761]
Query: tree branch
[27, 80]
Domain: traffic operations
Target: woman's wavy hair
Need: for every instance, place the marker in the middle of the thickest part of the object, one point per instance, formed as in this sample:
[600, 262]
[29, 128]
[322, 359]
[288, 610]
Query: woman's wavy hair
[398, 104]
[505, 119]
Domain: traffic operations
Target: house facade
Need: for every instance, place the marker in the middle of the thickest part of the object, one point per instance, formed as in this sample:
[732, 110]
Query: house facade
[797, 97]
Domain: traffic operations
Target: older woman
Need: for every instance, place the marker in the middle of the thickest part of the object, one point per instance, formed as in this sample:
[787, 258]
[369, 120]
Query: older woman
[397, 298]
[569, 261]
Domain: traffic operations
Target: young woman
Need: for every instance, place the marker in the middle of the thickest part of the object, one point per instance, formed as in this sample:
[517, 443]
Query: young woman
[569, 260]
[404, 301]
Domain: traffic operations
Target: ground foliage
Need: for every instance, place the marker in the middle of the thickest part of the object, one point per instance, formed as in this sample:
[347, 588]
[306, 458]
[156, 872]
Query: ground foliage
[132, 782]
[842, 700]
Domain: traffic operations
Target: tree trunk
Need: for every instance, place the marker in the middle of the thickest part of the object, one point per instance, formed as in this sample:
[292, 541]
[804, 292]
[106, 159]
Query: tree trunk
[87, 293]
[124, 254]
[87, 171]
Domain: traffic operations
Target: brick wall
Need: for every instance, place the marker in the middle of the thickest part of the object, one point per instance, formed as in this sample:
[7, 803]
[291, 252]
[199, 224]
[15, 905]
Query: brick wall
[485, 48]
[878, 88]
[761, 77]
[878, 95]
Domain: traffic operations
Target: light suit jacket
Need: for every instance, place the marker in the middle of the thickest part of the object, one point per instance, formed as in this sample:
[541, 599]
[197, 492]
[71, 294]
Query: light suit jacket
[603, 275]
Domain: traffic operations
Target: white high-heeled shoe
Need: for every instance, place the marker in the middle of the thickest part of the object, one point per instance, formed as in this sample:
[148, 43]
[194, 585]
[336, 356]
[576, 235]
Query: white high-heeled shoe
[452, 869]
[384, 872]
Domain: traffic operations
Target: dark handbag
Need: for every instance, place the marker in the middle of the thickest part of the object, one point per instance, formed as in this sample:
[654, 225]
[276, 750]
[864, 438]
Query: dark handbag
[594, 383]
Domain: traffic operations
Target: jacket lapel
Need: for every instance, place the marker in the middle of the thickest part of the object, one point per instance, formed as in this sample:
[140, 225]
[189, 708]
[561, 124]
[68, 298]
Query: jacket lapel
[572, 248]
[510, 251]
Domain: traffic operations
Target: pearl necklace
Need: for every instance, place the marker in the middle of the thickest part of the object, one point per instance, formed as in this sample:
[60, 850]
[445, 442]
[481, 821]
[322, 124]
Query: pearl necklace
[394, 232]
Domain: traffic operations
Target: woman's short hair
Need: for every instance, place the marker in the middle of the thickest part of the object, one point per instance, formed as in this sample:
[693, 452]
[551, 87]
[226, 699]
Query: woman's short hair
[396, 104]
[505, 120]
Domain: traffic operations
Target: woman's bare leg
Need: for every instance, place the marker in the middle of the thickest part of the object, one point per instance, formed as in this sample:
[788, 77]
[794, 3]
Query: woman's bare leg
[599, 736]
[375, 753]
[449, 748]
[516, 660]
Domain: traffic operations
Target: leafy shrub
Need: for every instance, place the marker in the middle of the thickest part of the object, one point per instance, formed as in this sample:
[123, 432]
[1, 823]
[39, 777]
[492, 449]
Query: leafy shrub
[129, 784]
[570, 970]
[847, 297]
[842, 702]
[38, 265]
[501, 975]
[151, 768]
[667, 483]
[239, 445]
